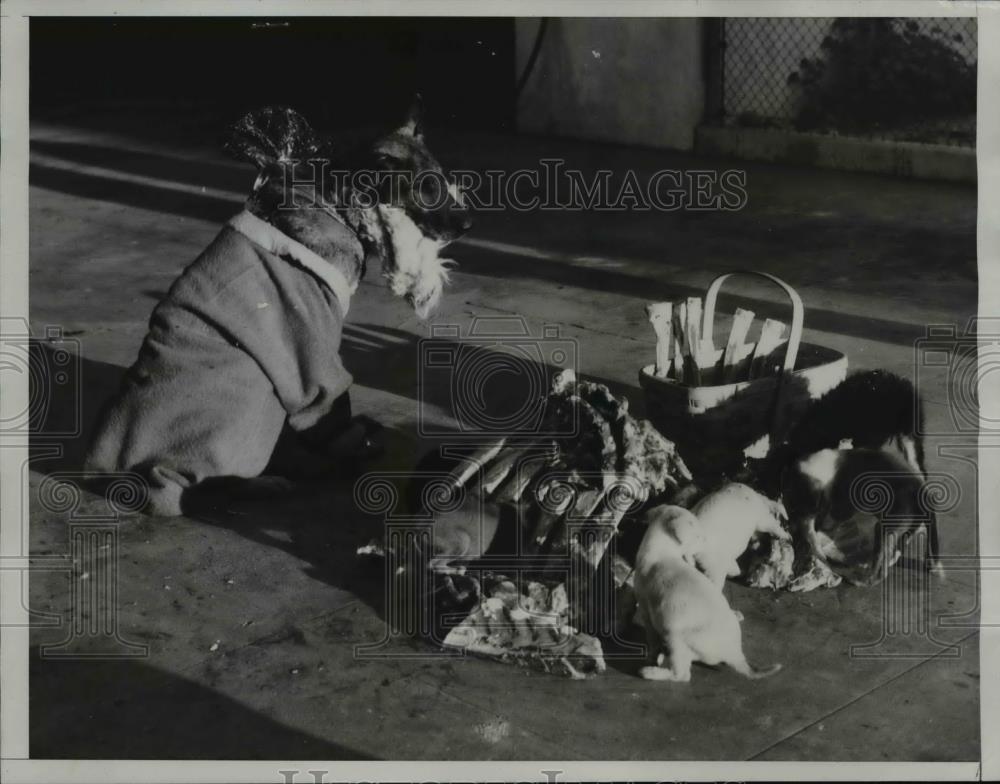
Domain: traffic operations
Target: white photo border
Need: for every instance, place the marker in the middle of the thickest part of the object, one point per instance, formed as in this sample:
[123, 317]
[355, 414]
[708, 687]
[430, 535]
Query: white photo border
[15, 766]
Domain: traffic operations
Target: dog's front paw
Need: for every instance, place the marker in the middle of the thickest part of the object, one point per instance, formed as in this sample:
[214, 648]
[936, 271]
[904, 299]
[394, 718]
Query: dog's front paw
[664, 674]
[264, 487]
[780, 533]
[363, 439]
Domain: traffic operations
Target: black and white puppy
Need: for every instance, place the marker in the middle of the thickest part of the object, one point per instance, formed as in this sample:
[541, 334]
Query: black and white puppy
[873, 409]
[857, 508]
[865, 430]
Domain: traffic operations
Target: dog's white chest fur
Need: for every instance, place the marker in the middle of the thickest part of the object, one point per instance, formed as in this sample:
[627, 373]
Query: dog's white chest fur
[821, 467]
[415, 271]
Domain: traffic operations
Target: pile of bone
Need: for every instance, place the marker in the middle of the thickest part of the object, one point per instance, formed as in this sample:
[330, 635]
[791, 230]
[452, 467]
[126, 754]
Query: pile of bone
[597, 463]
[574, 491]
[571, 490]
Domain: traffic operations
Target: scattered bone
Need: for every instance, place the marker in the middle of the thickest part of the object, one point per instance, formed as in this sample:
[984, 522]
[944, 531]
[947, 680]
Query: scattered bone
[661, 317]
[474, 462]
[736, 347]
[770, 339]
[500, 468]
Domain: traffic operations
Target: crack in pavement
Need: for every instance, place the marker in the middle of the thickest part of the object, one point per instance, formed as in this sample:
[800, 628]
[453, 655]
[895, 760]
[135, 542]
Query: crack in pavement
[852, 701]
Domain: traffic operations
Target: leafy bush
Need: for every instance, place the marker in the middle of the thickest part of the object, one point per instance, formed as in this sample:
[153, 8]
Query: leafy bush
[883, 72]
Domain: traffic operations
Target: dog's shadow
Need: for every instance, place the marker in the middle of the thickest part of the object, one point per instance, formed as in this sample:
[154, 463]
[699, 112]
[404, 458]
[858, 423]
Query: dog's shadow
[490, 382]
[316, 521]
[319, 521]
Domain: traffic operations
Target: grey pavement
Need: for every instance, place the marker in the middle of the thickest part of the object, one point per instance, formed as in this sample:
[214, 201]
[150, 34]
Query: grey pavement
[251, 620]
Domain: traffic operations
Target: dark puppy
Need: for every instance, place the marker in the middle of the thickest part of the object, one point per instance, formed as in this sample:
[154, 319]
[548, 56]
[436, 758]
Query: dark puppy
[874, 410]
[243, 352]
[849, 503]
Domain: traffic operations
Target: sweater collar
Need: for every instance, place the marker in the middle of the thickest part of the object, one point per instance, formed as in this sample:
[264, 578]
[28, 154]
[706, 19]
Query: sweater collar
[274, 241]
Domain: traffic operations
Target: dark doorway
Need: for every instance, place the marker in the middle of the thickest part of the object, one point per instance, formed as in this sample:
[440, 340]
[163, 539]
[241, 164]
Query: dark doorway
[339, 72]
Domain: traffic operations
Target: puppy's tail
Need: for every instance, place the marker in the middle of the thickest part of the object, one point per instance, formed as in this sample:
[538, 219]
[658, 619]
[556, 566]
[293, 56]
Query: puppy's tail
[743, 667]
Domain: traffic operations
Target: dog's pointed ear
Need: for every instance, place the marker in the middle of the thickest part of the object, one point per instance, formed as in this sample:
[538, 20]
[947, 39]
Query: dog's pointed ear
[414, 124]
[271, 136]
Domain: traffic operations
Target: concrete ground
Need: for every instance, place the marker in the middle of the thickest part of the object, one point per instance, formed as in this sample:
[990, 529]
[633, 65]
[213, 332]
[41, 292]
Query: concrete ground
[251, 620]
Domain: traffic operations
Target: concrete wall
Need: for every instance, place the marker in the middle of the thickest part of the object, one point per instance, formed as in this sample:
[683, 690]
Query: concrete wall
[631, 81]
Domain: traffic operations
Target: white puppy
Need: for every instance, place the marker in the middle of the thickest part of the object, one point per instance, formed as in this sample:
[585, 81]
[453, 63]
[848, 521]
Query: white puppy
[686, 617]
[729, 518]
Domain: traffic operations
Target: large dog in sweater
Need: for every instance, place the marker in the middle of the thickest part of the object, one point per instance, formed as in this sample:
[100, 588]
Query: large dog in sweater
[240, 369]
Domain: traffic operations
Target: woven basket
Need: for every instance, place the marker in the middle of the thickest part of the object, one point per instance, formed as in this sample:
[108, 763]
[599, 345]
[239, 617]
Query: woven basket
[717, 427]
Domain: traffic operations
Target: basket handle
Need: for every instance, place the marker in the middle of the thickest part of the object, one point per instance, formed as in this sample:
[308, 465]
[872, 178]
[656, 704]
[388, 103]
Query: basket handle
[794, 337]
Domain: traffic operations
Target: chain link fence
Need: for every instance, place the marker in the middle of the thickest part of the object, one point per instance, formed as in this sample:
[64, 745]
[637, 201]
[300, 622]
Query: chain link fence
[908, 79]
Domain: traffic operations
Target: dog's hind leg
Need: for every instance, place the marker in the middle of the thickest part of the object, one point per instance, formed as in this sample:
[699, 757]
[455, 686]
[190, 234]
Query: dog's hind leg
[934, 547]
[675, 665]
[654, 645]
[817, 569]
[652, 673]
[679, 661]
[912, 451]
